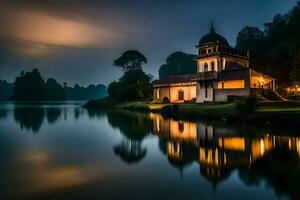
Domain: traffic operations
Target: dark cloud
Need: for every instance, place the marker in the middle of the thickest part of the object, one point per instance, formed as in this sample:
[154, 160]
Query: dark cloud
[77, 40]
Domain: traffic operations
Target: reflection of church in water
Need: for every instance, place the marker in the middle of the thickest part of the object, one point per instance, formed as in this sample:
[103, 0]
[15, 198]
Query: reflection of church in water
[217, 150]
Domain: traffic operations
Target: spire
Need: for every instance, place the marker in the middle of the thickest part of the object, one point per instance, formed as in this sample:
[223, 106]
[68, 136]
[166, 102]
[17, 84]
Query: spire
[212, 28]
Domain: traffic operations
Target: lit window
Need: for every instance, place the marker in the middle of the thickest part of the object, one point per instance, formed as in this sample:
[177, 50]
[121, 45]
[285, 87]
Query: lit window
[235, 84]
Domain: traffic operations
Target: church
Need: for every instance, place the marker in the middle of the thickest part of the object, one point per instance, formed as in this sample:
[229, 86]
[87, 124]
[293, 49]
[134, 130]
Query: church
[223, 73]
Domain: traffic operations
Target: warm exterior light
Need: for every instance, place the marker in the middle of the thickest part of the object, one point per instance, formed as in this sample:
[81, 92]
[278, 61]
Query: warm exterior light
[261, 80]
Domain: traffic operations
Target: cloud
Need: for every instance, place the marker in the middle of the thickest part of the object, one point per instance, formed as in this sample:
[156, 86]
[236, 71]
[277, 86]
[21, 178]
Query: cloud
[41, 28]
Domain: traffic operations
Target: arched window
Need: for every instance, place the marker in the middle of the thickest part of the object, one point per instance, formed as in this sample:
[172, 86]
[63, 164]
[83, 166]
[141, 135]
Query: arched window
[205, 67]
[212, 64]
[180, 95]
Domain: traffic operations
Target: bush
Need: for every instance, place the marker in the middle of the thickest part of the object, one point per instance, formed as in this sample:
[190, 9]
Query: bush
[132, 86]
[248, 105]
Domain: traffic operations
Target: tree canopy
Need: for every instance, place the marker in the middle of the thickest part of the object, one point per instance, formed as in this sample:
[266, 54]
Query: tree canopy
[130, 60]
[178, 63]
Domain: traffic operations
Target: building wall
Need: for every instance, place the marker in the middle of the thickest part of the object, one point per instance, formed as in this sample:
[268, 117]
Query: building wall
[172, 92]
[222, 94]
[189, 93]
[201, 95]
[218, 94]
[208, 60]
[219, 64]
[163, 92]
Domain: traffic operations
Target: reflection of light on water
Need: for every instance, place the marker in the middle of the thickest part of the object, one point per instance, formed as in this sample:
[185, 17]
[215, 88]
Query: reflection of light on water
[41, 176]
[233, 143]
[209, 156]
[174, 150]
[298, 146]
[262, 147]
[157, 124]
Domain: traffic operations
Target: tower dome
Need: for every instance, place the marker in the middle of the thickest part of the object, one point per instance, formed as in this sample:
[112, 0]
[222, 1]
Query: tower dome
[212, 37]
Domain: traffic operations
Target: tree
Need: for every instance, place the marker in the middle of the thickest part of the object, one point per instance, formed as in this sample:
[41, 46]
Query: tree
[249, 38]
[253, 39]
[135, 84]
[29, 86]
[53, 90]
[130, 60]
[178, 63]
[295, 75]
[6, 90]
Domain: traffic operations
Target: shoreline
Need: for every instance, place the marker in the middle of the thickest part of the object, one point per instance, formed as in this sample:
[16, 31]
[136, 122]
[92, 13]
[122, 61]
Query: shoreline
[269, 114]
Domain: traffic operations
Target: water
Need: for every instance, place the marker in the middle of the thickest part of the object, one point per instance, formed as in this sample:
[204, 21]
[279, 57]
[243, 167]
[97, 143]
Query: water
[62, 151]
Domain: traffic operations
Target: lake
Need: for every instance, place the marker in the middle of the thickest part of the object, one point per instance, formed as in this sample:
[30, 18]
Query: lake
[62, 151]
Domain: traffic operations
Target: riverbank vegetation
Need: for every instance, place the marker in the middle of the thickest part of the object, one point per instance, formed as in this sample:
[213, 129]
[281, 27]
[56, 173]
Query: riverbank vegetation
[247, 111]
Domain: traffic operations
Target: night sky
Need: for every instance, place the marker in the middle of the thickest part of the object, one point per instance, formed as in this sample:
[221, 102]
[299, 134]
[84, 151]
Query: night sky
[76, 41]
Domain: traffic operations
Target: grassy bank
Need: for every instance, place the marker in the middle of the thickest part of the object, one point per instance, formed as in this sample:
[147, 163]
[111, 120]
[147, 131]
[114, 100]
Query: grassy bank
[216, 111]
[269, 113]
[276, 114]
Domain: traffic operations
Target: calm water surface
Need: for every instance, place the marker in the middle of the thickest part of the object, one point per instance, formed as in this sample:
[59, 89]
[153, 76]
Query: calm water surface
[66, 152]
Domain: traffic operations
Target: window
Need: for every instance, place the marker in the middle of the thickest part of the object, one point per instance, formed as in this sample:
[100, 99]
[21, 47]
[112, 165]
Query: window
[235, 84]
[180, 95]
[212, 64]
[205, 67]
[209, 50]
[214, 49]
[203, 52]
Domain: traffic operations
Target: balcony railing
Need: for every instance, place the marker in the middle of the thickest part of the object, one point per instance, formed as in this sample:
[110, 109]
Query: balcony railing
[207, 76]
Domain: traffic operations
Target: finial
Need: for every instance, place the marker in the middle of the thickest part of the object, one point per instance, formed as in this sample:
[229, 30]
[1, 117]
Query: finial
[212, 28]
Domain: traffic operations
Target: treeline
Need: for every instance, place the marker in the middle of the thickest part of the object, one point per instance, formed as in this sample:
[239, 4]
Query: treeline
[275, 50]
[6, 90]
[30, 86]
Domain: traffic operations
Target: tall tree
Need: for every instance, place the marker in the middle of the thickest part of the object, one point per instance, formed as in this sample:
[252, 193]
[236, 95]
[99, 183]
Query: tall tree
[130, 60]
[135, 84]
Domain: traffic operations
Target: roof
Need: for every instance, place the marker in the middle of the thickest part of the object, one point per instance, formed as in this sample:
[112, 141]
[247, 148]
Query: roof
[176, 79]
[213, 37]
